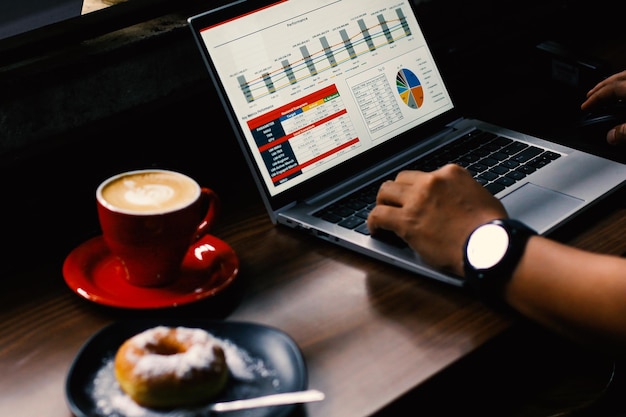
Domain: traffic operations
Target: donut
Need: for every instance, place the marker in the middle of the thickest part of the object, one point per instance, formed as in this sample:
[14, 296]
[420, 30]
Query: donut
[168, 367]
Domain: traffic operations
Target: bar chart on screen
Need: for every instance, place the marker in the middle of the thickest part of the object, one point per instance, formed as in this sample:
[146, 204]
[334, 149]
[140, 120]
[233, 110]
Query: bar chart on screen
[328, 49]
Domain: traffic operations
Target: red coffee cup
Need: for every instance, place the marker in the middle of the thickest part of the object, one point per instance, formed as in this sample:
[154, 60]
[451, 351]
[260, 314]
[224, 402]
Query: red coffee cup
[150, 218]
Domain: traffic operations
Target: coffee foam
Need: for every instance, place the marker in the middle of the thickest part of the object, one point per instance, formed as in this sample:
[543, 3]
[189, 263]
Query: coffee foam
[150, 191]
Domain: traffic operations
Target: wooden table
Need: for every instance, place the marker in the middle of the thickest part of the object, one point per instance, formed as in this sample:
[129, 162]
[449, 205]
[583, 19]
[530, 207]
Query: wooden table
[369, 332]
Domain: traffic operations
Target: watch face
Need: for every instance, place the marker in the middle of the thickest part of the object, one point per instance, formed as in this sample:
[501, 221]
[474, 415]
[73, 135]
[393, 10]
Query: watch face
[487, 245]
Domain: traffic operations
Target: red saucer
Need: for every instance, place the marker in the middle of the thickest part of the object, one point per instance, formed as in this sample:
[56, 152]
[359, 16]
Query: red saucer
[92, 272]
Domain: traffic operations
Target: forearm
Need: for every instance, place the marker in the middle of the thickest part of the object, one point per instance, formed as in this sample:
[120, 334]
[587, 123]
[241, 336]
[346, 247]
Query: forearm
[576, 293]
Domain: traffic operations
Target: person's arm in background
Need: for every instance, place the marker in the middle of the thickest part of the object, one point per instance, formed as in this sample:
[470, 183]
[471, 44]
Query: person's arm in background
[608, 92]
[573, 292]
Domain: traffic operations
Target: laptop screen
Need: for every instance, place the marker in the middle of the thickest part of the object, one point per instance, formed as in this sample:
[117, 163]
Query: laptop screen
[313, 85]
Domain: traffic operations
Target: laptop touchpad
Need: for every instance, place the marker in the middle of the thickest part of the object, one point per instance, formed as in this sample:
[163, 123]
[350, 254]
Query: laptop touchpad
[539, 207]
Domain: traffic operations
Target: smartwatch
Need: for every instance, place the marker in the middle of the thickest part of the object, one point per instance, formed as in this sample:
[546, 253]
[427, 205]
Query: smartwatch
[491, 254]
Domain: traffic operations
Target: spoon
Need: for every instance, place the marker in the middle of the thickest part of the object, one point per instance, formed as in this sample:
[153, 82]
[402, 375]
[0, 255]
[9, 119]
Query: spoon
[267, 400]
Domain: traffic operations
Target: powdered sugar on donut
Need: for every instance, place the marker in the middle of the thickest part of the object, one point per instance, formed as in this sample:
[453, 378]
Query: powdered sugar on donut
[198, 356]
[251, 376]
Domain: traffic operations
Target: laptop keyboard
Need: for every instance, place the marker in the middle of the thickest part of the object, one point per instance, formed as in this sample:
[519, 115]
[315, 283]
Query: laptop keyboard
[494, 161]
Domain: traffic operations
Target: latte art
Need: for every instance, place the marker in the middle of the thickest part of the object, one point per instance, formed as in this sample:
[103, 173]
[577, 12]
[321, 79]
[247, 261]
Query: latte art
[150, 191]
[148, 195]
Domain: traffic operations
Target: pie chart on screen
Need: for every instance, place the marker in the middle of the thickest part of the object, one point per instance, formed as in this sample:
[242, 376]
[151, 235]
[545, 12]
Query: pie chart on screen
[410, 88]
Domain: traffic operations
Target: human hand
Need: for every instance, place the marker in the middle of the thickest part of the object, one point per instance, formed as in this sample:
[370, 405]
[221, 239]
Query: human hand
[608, 92]
[435, 212]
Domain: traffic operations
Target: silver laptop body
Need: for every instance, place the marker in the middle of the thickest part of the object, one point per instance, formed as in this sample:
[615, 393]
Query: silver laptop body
[325, 97]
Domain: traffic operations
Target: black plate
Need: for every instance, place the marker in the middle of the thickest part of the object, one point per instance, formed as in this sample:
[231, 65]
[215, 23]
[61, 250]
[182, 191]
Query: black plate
[272, 362]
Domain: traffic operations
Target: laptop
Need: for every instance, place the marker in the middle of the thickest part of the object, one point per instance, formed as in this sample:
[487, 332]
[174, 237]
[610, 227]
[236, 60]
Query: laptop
[330, 97]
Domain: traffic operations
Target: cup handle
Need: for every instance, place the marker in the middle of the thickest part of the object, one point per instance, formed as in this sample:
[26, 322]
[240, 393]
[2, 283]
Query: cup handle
[213, 207]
